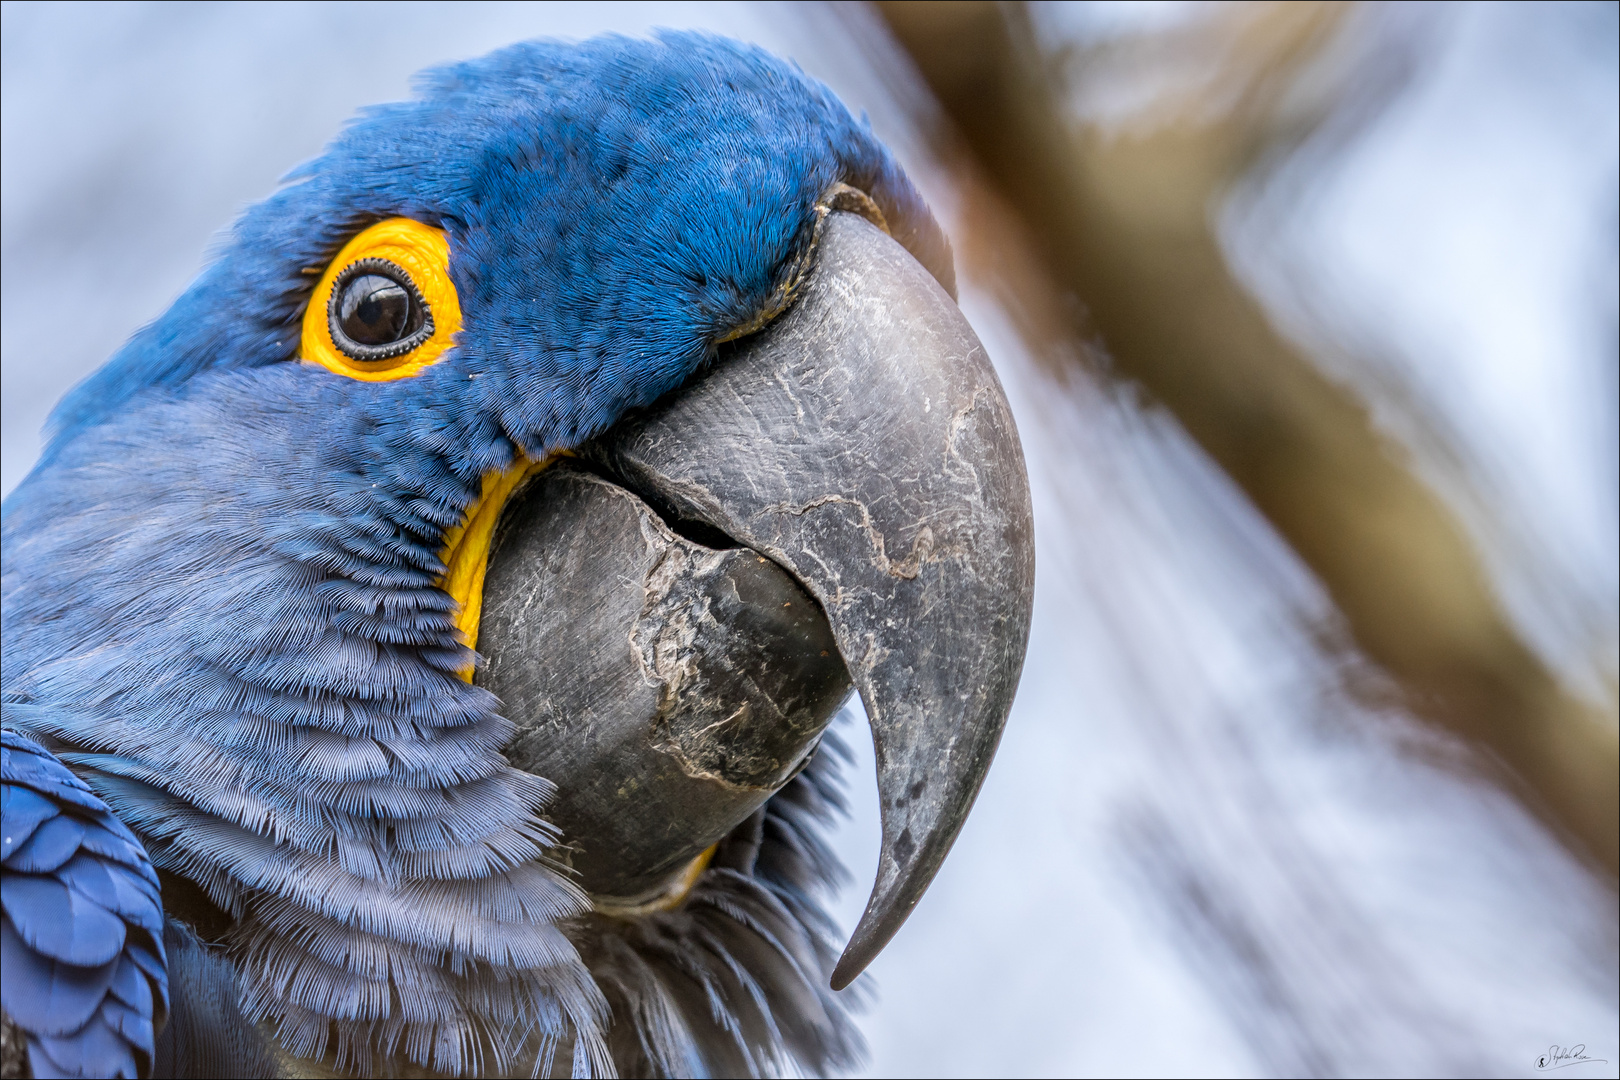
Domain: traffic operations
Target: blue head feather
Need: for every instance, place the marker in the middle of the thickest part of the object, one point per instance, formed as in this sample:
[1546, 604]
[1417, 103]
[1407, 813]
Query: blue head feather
[220, 599]
[612, 207]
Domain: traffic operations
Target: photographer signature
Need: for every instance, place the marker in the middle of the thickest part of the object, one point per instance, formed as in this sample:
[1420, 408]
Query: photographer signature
[1562, 1057]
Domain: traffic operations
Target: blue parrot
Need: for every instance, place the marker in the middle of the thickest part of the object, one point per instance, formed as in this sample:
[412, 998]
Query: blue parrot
[268, 813]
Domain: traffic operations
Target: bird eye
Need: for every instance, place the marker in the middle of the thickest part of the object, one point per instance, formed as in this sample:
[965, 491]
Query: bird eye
[376, 312]
[386, 307]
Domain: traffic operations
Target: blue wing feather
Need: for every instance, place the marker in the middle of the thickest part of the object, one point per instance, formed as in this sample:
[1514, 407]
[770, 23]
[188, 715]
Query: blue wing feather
[59, 922]
[130, 987]
[46, 996]
[51, 845]
[82, 932]
[23, 813]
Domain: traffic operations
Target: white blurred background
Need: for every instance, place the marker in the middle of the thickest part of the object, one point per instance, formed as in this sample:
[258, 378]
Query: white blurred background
[1215, 840]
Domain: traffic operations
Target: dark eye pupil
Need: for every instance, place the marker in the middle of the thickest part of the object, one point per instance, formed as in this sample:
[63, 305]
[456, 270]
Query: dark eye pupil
[376, 313]
[375, 310]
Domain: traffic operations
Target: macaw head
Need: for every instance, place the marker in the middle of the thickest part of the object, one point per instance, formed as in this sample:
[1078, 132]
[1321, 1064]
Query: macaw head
[611, 211]
[633, 364]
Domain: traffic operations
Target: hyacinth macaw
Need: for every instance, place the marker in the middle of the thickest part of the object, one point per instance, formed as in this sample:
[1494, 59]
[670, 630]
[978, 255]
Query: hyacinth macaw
[632, 364]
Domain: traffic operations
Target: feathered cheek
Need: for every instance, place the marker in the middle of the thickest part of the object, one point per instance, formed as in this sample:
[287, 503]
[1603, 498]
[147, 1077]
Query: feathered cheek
[385, 308]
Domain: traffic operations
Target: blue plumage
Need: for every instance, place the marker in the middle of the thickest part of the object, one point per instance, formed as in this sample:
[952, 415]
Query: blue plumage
[82, 933]
[220, 598]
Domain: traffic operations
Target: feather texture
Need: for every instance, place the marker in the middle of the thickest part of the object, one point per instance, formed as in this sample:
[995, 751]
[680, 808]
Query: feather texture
[734, 981]
[82, 930]
[207, 1035]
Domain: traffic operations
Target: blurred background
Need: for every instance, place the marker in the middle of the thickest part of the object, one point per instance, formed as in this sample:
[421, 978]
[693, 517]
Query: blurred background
[1308, 315]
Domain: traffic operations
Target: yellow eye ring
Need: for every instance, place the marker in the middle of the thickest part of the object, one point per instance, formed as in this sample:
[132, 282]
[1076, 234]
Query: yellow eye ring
[390, 286]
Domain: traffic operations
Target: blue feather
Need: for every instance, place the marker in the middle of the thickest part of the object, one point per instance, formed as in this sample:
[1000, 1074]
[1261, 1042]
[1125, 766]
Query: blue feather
[46, 996]
[207, 1035]
[97, 1049]
[60, 922]
[82, 927]
[22, 812]
[45, 848]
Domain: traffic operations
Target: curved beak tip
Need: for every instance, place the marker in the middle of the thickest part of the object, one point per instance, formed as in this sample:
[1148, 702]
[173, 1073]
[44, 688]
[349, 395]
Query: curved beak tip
[863, 443]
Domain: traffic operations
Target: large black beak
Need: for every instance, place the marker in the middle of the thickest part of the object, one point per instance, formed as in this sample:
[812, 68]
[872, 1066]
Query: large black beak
[643, 615]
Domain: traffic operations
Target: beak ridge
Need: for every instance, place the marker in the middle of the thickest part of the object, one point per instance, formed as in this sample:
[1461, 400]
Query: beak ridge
[863, 443]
